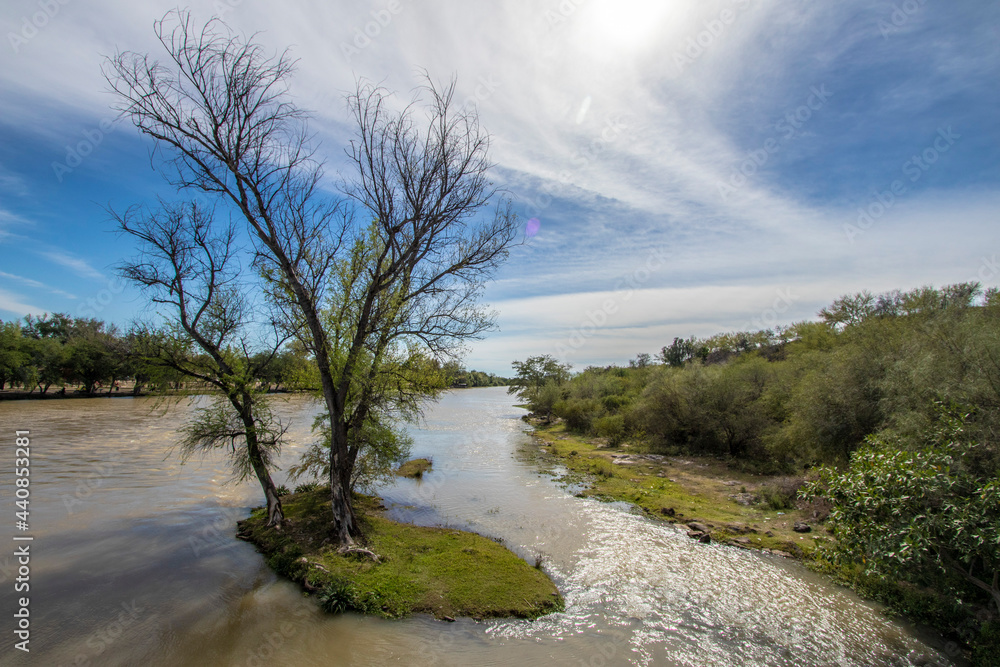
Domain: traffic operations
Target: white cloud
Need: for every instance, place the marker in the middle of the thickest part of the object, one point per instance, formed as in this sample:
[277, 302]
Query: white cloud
[12, 303]
[592, 108]
[75, 264]
[37, 285]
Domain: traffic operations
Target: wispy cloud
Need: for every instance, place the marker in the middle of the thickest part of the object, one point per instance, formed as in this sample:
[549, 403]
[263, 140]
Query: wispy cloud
[37, 285]
[9, 218]
[12, 303]
[616, 121]
[75, 264]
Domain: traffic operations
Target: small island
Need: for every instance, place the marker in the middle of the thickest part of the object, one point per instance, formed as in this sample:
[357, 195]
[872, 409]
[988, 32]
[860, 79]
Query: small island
[399, 569]
[414, 468]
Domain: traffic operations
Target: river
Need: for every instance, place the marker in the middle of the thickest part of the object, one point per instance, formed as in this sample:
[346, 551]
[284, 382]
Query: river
[134, 561]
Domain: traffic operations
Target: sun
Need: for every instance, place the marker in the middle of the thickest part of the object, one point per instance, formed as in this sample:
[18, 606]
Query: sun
[629, 25]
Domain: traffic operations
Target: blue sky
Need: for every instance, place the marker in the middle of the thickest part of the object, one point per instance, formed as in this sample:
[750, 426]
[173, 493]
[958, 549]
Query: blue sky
[696, 167]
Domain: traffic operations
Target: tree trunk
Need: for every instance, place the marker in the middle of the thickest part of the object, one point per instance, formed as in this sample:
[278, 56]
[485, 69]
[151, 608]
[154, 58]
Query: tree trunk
[344, 528]
[275, 513]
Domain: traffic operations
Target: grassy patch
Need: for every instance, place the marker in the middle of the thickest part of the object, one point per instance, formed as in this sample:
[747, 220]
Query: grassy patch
[686, 489]
[439, 571]
[414, 468]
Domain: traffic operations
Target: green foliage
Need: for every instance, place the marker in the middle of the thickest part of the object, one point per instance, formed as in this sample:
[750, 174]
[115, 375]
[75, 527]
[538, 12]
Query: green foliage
[920, 509]
[12, 356]
[798, 395]
[306, 487]
[382, 446]
[220, 426]
[337, 596]
[537, 381]
[986, 646]
[611, 427]
[679, 352]
[457, 376]
[579, 413]
[59, 350]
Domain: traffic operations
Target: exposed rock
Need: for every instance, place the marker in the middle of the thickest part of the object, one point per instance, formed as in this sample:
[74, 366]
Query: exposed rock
[668, 511]
[695, 534]
[698, 527]
[620, 459]
[745, 499]
[705, 539]
[741, 540]
[800, 527]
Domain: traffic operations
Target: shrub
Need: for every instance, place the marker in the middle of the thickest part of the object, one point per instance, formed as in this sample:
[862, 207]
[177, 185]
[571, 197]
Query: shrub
[781, 493]
[579, 413]
[307, 487]
[611, 427]
[337, 596]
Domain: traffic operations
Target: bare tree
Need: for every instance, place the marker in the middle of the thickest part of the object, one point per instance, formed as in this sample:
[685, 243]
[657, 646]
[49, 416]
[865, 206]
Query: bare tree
[192, 268]
[365, 299]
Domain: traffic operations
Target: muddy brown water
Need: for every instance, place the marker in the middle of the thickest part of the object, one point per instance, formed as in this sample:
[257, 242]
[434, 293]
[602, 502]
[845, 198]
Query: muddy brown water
[134, 560]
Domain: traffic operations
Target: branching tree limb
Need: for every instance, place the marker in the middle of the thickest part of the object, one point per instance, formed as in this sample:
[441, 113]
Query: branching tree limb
[190, 267]
[366, 299]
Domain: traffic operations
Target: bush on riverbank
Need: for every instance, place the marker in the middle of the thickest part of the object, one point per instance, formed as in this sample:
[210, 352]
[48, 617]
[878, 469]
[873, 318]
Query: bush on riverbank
[810, 393]
[439, 571]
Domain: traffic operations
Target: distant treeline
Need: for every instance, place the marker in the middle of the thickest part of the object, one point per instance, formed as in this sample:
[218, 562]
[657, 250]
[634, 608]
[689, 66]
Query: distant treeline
[807, 393]
[38, 354]
[460, 377]
[94, 357]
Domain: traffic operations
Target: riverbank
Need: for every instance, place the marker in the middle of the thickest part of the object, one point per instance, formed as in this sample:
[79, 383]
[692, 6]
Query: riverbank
[719, 504]
[408, 569]
[714, 502]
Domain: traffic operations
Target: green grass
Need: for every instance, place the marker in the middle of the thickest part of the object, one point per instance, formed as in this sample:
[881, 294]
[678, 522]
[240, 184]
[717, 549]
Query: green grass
[440, 571]
[698, 492]
[414, 468]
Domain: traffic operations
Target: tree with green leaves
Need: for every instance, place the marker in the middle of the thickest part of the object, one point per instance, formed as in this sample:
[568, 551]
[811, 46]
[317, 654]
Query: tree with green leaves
[537, 380]
[678, 352]
[369, 283]
[48, 358]
[919, 510]
[12, 355]
[93, 355]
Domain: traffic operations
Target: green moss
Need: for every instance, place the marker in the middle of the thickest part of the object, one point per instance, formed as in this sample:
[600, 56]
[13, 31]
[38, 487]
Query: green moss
[414, 468]
[439, 571]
